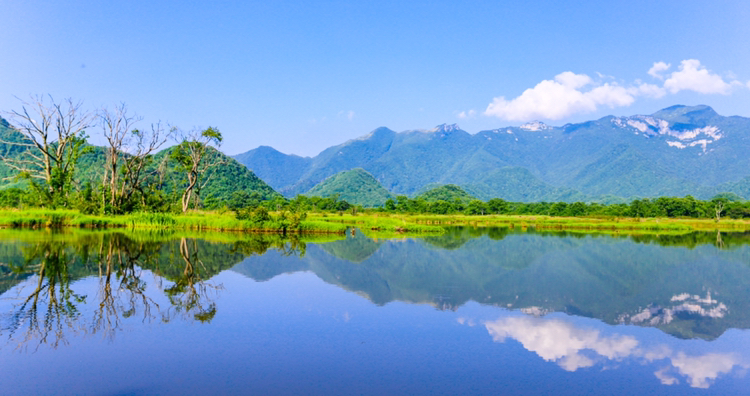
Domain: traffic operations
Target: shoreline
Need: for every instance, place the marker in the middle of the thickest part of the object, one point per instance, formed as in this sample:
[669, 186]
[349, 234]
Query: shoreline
[338, 224]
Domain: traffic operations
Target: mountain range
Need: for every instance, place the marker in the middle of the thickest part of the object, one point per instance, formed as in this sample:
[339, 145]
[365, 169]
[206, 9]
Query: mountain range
[677, 151]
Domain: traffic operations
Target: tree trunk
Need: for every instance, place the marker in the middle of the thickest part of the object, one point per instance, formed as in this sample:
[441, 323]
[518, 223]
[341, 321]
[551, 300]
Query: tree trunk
[188, 194]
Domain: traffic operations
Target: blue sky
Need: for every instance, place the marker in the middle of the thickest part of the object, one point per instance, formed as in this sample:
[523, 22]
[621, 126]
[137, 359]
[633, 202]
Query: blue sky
[302, 76]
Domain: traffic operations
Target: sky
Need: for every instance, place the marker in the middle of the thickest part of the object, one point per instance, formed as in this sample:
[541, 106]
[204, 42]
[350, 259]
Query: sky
[303, 76]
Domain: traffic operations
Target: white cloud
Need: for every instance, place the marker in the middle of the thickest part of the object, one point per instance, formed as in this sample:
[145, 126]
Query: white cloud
[467, 114]
[570, 93]
[560, 98]
[572, 80]
[692, 76]
[665, 378]
[611, 95]
[658, 68]
[651, 90]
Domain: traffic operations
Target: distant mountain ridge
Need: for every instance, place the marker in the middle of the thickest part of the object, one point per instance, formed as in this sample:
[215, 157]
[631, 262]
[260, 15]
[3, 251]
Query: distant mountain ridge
[677, 151]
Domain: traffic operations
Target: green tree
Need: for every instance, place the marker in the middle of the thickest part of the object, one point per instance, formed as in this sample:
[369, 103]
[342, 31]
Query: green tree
[476, 207]
[497, 206]
[194, 158]
[559, 209]
[390, 204]
[577, 209]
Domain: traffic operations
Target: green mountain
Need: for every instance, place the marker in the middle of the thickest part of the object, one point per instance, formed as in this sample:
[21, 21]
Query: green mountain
[222, 181]
[518, 184]
[10, 135]
[356, 186]
[448, 192]
[278, 169]
[676, 151]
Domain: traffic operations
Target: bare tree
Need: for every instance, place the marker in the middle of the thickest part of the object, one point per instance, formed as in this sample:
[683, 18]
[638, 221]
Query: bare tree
[53, 137]
[128, 152]
[197, 155]
[718, 209]
[116, 126]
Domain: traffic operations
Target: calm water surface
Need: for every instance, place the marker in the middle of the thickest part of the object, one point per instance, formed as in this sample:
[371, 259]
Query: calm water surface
[471, 312]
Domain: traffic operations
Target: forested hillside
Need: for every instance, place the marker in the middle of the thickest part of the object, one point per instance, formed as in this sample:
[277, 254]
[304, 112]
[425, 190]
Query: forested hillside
[677, 151]
[162, 176]
[356, 186]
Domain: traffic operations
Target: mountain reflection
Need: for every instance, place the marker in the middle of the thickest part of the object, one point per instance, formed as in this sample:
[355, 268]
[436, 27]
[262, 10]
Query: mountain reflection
[689, 286]
[573, 348]
[685, 285]
[91, 283]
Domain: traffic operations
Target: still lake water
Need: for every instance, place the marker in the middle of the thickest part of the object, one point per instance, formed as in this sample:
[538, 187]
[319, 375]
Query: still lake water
[471, 312]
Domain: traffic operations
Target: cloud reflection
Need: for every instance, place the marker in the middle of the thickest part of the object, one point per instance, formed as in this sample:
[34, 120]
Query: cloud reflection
[702, 370]
[560, 341]
[573, 348]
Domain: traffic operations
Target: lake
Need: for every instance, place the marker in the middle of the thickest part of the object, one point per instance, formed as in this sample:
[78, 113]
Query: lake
[474, 311]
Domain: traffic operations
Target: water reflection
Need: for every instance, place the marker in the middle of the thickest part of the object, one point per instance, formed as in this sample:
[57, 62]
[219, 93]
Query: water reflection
[573, 348]
[190, 294]
[59, 288]
[685, 285]
[684, 304]
[51, 298]
[694, 289]
[144, 279]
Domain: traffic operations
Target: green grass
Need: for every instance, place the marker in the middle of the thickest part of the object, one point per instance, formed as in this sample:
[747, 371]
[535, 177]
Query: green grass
[583, 223]
[71, 234]
[326, 223]
[384, 223]
[201, 221]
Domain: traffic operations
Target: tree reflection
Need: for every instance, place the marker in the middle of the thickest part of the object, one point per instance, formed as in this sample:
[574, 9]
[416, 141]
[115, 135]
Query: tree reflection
[190, 295]
[258, 245]
[147, 280]
[124, 259]
[457, 237]
[52, 307]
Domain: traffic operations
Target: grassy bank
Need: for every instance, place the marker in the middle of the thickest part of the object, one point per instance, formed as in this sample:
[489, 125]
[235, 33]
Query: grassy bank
[387, 223]
[326, 223]
[198, 221]
[585, 223]
[72, 235]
